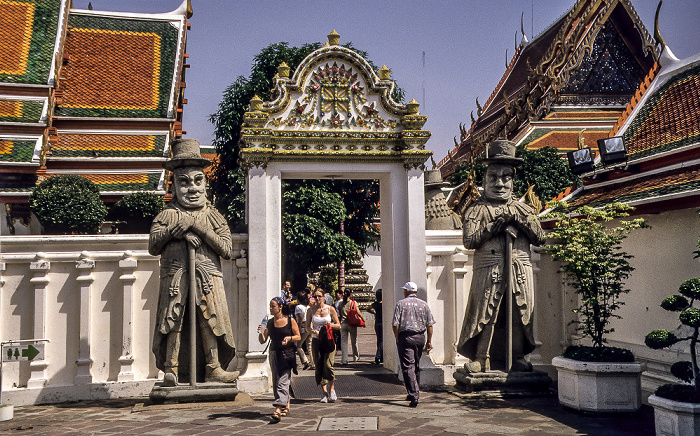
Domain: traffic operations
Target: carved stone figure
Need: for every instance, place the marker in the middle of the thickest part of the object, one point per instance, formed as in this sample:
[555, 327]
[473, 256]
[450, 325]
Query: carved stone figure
[491, 224]
[189, 225]
[438, 216]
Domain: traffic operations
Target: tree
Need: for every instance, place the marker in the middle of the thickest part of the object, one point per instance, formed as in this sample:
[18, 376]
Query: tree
[137, 210]
[593, 262]
[68, 204]
[302, 230]
[543, 168]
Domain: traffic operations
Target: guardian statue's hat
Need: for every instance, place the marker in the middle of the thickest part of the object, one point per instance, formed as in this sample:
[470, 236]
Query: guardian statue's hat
[502, 151]
[185, 154]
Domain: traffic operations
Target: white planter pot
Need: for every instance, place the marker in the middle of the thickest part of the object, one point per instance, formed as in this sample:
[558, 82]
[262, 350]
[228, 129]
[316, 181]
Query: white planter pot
[599, 387]
[7, 412]
[674, 418]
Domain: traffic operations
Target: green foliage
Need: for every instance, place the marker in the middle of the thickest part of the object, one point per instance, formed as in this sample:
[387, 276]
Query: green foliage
[683, 370]
[543, 168]
[689, 316]
[690, 288]
[598, 354]
[593, 262]
[328, 279]
[137, 210]
[310, 226]
[674, 303]
[677, 392]
[67, 204]
[658, 339]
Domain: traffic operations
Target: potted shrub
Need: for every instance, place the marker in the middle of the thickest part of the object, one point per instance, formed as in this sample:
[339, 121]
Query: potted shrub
[677, 405]
[136, 211]
[595, 378]
[66, 204]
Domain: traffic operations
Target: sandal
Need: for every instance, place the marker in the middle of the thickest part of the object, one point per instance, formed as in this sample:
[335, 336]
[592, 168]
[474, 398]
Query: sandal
[284, 411]
[276, 416]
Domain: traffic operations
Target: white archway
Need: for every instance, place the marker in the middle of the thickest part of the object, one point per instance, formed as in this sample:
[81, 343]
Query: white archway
[334, 119]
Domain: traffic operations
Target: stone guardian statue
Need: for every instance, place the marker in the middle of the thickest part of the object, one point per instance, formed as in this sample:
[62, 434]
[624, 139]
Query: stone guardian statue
[500, 229]
[190, 232]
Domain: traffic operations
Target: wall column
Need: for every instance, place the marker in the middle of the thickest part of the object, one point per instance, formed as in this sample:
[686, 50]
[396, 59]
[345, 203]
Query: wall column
[459, 272]
[40, 269]
[85, 266]
[127, 265]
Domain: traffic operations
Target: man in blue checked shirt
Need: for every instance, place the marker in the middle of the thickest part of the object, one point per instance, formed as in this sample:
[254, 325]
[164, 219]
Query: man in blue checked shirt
[412, 319]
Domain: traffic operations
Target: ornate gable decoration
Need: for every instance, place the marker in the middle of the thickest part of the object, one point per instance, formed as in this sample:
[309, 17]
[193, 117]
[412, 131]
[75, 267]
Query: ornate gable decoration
[336, 108]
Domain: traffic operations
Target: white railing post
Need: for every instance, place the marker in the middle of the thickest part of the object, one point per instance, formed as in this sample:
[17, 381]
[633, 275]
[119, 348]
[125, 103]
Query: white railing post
[127, 265]
[84, 362]
[40, 269]
[242, 310]
[535, 356]
[459, 272]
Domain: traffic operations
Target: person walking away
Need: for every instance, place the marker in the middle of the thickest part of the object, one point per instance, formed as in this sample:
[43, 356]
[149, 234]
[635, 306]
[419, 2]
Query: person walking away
[346, 329]
[336, 333]
[300, 317]
[376, 310]
[412, 319]
[319, 316]
[283, 331]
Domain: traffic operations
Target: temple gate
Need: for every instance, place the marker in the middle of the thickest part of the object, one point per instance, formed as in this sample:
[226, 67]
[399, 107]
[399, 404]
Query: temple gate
[333, 119]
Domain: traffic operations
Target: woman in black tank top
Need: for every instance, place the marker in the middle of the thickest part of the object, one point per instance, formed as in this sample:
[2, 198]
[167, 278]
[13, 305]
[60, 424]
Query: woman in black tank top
[283, 331]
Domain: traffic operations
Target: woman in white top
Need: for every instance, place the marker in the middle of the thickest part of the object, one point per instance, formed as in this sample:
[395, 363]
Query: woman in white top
[300, 315]
[318, 315]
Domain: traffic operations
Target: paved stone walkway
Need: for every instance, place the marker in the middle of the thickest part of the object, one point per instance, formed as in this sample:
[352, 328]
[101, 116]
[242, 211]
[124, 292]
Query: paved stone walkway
[440, 412]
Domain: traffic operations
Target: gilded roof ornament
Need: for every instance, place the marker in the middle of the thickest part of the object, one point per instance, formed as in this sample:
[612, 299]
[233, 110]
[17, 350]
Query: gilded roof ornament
[522, 29]
[190, 12]
[256, 103]
[283, 70]
[412, 106]
[579, 140]
[333, 38]
[479, 109]
[384, 73]
[657, 35]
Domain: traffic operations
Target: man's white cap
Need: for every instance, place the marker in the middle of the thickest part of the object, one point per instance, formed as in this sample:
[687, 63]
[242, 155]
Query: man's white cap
[410, 287]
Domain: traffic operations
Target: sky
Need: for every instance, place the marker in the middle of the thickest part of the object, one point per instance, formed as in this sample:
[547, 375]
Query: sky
[443, 53]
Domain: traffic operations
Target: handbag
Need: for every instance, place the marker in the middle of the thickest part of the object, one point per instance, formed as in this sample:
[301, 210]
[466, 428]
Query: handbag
[355, 318]
[326, 340]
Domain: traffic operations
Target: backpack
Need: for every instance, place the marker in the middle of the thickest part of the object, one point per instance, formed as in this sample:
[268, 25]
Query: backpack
[326, 342]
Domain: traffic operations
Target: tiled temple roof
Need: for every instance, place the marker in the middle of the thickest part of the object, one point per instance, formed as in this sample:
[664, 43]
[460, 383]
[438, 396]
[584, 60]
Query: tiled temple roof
[681, 180]
[118, 67]
[123, 182]
[16, 150]
[562, 139]
[21, 110]
[27, 39]
[108, 145]
[662, 134]
[668, 119]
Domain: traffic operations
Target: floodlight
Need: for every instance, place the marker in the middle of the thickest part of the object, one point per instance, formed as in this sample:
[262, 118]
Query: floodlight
[581, 161]
[612, 150]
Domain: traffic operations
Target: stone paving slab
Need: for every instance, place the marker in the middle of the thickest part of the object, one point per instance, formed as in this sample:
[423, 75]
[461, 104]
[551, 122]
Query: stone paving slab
[440, 412]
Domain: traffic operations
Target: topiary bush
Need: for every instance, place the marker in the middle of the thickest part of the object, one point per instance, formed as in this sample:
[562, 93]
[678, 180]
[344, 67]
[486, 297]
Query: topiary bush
[658, 339]
[67, 204]
[137, 211]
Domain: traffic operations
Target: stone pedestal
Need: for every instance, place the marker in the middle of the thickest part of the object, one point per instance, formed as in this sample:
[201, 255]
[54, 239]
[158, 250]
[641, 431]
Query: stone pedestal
[523, 383]
[210, 391]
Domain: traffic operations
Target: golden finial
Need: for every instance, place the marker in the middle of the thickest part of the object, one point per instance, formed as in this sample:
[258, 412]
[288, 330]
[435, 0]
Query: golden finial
[283, 70]
[657, 34]
[256, 103]
[412, 106]
[579, 141]
[384, 73]
[333, 38]
[479, 109]
[190, 12]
